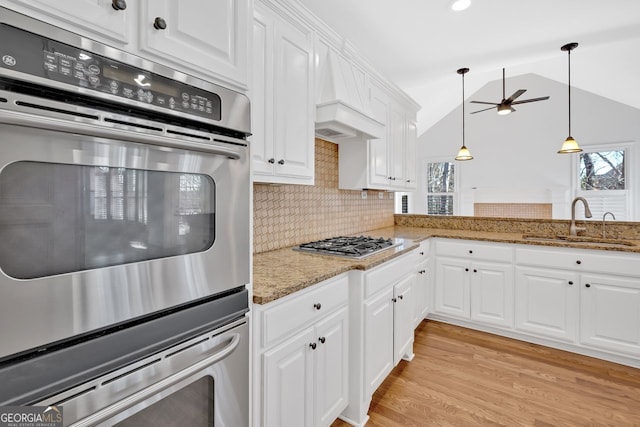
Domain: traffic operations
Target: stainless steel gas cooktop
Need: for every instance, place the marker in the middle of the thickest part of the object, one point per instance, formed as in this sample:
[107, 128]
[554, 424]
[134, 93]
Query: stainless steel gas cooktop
[349, 246]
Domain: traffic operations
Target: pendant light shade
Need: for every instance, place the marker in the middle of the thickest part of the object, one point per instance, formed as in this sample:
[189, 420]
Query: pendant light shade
[570, 145]
[464, 153]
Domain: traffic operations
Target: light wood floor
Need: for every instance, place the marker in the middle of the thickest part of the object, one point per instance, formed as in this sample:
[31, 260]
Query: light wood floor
[462, 377]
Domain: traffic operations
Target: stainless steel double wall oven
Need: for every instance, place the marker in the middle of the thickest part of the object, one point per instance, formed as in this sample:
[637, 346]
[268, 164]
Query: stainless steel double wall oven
[124, 235]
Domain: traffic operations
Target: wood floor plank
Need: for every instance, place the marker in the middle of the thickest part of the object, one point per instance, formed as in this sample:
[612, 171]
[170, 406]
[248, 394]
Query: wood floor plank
[462, 377]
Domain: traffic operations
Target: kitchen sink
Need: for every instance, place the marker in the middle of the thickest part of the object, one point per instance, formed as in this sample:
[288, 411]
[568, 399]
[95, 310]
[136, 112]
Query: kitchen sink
[580, 241]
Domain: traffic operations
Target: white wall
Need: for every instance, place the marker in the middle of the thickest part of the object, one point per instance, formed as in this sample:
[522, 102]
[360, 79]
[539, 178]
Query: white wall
[515, 155]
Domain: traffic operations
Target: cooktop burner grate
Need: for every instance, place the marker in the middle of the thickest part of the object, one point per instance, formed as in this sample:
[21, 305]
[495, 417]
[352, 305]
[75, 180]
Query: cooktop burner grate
[349, 246]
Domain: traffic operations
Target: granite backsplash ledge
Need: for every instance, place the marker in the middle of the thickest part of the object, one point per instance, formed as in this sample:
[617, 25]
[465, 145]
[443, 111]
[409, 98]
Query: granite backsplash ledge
[546, 227]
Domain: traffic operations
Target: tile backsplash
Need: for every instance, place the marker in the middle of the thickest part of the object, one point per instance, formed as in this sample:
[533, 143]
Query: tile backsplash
[287, 215]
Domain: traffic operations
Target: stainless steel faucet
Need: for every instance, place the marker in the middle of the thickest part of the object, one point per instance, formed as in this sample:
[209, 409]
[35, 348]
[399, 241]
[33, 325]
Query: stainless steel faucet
[604, 236]
[573, 230]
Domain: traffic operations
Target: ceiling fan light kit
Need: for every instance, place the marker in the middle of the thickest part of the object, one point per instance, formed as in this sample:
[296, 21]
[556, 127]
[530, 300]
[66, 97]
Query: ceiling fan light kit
[464, 153]
[570, 145]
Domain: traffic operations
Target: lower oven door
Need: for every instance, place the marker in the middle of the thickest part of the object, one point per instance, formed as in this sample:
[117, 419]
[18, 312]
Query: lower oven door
[99, 230]
[202, 382]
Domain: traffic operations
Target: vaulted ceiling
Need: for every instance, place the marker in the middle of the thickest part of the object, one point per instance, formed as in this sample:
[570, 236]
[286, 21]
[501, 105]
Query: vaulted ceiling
[419, 44]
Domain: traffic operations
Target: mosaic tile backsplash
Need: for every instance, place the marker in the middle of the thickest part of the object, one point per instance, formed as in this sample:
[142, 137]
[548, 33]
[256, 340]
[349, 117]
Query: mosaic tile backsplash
[287, 215]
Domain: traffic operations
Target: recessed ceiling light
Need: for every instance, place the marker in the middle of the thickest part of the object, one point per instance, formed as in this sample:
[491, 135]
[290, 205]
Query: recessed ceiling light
[459, 5]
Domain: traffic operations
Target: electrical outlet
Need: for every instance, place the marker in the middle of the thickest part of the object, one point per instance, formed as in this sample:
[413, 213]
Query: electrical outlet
[380, 195]
[391, 195]
[364, 195]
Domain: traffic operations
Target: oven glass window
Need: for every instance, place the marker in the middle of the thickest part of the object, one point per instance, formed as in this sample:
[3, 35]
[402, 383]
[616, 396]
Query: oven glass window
[58, 218]
[190, 406]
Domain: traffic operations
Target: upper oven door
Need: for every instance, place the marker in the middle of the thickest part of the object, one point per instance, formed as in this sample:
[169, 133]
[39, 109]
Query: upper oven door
[97, 230]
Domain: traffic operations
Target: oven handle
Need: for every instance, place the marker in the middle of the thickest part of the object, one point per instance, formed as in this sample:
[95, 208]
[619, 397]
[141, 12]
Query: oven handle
[50, 123]
[136, 398]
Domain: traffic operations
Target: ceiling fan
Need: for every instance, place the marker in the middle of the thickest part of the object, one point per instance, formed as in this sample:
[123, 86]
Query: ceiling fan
[505, 106]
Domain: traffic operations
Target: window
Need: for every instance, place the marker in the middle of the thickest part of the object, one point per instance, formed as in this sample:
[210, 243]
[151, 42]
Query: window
[603, 181]
[441, 188]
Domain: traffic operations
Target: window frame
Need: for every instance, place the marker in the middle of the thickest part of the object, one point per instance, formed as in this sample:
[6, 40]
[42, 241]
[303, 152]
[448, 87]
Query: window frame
[456, 184]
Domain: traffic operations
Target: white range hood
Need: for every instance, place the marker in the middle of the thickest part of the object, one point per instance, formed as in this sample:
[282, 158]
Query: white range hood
[343, 109]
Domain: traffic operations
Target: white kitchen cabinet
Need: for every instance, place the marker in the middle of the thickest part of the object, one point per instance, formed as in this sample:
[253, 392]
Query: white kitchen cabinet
[209, 37]
[289, 382]
[282, 98]
[468, 286]
[546, 302]
[382, 306]
[378, 339]
[302, 356]
[92, 18]
[305, 378]
[610, 313]
[422, 285]
[386, 163]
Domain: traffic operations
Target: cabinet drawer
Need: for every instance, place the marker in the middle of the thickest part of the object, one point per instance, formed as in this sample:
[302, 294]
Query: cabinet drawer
[389, 273]
[292, 315]
[596, 261]
[475, 250]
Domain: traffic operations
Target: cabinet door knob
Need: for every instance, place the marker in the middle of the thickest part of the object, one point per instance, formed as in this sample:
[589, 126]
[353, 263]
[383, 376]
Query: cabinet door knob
[470, 251]
[587, 285]
[159, 23]
[394, 300]
[317, 306]
[571, 282]
[578, 262]
[281, 162]
[119, 4]
[421, 253]
[271, 160]
[400, 297]
[475, 271]
[322, 340]
[313, 345]
[466, 269]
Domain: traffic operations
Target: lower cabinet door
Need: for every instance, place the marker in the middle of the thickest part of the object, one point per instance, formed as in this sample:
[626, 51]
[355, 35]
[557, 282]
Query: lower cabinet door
[547, 302]
[452, 287]
[378, 340]
[403, 318]
[332, 361]
[289, 382]
[610, 313]
[492, 294]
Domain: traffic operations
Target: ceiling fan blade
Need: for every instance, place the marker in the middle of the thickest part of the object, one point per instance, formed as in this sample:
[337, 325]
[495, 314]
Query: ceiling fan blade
[486, 109]
[514, 96]
[524, 101]
[482, 102]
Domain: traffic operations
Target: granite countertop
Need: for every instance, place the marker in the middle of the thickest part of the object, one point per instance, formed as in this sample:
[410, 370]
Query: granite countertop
[284, 271]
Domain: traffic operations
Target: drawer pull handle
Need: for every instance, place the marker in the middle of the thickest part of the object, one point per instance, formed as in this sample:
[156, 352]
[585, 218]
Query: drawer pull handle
[470, 251]
[571, 282]
[322, 340]
[313, 345]
[587, 285]
[317, 306]
[578, 262]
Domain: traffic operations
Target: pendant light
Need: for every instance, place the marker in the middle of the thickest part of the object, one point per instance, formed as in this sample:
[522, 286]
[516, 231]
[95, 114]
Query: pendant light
[570, 145]
[464, 153]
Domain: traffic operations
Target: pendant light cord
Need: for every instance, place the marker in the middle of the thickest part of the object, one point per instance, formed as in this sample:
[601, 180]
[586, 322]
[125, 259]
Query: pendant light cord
[569, 58]
[463, 142]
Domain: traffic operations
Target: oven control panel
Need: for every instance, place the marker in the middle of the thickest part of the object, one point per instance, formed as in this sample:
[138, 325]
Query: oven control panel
[33, 55]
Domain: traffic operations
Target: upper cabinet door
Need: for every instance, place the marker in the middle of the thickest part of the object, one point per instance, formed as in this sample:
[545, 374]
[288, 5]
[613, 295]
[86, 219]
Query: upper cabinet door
[294, 90]
[210, 37]
[88, 17]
